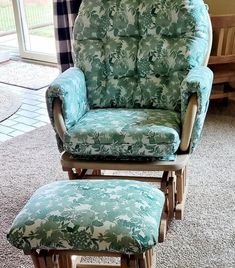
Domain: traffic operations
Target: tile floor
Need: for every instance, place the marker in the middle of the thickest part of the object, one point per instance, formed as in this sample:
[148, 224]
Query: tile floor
[31, 115]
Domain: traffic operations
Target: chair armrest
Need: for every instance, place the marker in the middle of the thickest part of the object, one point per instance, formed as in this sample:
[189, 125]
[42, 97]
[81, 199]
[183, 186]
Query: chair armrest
[198, 82]
[59, 123]
[69, 91]
[189, 120]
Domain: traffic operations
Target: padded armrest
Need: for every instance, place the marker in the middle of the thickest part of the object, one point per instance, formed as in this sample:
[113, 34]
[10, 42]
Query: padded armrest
[70, 88]
[198, 82]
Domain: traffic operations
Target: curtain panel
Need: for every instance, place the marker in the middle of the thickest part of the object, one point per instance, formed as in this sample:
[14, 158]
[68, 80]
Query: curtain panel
[65, 13]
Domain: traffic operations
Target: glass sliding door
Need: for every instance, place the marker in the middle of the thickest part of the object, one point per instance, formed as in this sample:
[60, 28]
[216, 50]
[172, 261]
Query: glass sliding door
[8, 37]
[34, 25]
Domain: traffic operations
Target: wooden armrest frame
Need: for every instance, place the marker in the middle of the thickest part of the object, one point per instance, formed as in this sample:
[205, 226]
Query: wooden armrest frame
[58, 118]
[188, 123]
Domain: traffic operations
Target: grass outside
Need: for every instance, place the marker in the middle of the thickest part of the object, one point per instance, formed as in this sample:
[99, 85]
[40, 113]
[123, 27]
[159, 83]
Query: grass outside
[47, 31]
[37, 15]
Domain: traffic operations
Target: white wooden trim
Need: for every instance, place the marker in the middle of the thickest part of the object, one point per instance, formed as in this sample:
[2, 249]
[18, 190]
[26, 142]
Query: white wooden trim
[23, 35]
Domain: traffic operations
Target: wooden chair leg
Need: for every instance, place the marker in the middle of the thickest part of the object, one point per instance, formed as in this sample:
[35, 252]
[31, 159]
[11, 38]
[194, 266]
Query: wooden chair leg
[164, 180]
[49, 262]
[42, 262]
[143, 262]
[124, 261]
[148, 259]
[96, 172]
[151, 257]
[171, 197]
[65, 261]
[35, 259]
[163, 228]
[72, 174]
[185, 176]
[56, 261]
[133, 262]
[179, 209]
[179, 185]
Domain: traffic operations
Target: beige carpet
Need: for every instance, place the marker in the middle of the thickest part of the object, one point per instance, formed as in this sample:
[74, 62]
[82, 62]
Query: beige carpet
[9, 104]
[206, 236]
[27, 75]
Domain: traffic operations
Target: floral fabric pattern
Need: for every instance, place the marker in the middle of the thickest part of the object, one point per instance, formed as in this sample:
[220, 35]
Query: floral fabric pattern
[133, 54]
[125, 132]
[70, 87]
[112, 215]
[116, 40]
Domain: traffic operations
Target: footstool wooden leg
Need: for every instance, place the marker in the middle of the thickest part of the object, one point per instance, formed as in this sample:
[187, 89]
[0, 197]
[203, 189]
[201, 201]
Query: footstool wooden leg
[42, 263]
[96, 172]
[142, 262]
[65, 261]
[163, 228]
[72, 174]
[35, 259]
[49, 262]
[133, 262]
[124, 261]
[148, 259]
[151, 257]
[171, 197]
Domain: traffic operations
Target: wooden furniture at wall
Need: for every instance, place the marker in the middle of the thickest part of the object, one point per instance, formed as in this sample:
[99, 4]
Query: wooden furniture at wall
[222, 59]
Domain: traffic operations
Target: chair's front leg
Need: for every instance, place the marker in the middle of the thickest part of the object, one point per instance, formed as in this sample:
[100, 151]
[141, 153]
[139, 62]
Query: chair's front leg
[171, 197]
[72, 173]
[96, 172]
[75, 174]
[163, 227]
[181, 184]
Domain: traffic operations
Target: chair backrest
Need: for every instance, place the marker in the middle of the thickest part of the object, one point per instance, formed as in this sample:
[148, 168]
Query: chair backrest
[135, 53]
[223, 48]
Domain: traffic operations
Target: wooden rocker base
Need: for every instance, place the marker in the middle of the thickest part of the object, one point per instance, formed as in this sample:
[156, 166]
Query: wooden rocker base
[72, 259]
[172, 182]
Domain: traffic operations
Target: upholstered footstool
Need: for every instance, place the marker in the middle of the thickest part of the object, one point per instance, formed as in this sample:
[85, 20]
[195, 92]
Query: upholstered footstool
[117, 218]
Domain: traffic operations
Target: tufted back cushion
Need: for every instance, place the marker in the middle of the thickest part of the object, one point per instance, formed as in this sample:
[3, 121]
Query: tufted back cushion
[135, 53]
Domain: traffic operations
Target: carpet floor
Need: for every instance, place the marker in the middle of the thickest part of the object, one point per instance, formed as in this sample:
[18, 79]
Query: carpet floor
[23, 74]
[9, 104]
[206, 236]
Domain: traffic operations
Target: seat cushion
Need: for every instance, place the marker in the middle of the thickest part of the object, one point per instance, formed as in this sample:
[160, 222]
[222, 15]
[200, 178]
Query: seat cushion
[125, 133]
[112, 215]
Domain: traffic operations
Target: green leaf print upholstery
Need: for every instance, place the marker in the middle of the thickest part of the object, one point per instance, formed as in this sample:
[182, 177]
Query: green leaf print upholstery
[127, 132]
[71, 89]
[111, 215]
[135, 55]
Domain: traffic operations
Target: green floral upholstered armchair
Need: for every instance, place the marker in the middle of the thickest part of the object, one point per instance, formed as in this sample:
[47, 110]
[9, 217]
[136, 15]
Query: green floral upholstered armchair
[138, 94]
